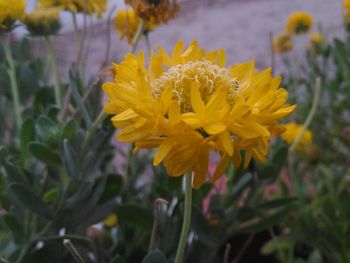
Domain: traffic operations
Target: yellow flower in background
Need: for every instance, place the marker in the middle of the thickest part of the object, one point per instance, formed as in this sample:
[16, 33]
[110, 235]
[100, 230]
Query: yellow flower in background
[159, 11]
[89, 7]
[346, 4]
[188, 104]
[10, 11]
[126, 22]
[43, 21]
[111, 220]
[291, 133]
[299, 23]
[316, 42]
[316, 38]
[282, 43]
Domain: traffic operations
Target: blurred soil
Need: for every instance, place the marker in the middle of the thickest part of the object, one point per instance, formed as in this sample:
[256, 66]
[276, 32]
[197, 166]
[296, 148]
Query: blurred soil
[242, 27]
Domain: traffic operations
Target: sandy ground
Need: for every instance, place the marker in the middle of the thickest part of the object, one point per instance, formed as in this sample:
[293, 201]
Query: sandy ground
[242, 27]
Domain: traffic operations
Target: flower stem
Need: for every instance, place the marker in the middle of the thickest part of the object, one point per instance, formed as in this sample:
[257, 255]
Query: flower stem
[56, 75]
[13, 80]
[310, 116]
[137, 36]
[187, 219]
[99, 119]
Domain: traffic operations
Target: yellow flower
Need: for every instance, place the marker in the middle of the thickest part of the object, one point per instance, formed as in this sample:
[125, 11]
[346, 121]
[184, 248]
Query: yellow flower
[10, 11]
[188, 104]
[43, 21]
[299, 23]
[291, 133]
[159, 11]
[346, 4]
[282, 43]
[111, 220]
[316, 42]
[89, 7]
[126, 22]
[316, 38]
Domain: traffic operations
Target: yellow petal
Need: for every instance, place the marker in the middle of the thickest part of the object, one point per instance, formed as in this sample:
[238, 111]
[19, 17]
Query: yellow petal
[201, 167]
[162, 151]
[220, 169]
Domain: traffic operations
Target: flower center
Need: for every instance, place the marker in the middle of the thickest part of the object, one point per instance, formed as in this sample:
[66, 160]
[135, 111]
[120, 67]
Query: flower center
[208, 76]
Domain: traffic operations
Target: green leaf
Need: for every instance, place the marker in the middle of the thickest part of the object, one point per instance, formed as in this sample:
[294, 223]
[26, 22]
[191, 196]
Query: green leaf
[29, 200]
[48, 130]
[136, 215]
[70, 160]
[12, 223]
[155, 256]
[51, 196]
[267, 222]
[43, 98]
[27, 135]
[113, 187]
[315, 257]
[69, 130]
[277, 202]
[78, 99]
[43, 153]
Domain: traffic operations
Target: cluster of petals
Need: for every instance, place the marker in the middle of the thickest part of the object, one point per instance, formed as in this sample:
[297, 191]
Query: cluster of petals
[77, 6]
[292, 132]
[299, 22]
[11, 10]
[189, 106]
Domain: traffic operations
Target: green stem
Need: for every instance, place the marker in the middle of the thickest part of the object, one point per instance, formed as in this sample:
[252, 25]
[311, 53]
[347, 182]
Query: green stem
[310, 116]
[13, 80]
[137, 36]
[92, 130]
[307, 123]
[187, 219]
[56, 75]
[148, 43]
[76, 29]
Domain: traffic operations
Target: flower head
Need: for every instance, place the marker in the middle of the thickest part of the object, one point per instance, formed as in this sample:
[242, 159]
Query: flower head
[126, 22]
[299, 23]
[282, 43]
[292, 132]
[10, 11]
[159, 11]
[316, 43]
[188, 104]
[89, 7]
[43, 21]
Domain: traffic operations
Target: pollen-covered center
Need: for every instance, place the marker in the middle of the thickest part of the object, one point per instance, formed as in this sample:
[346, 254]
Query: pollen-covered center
[207, 75]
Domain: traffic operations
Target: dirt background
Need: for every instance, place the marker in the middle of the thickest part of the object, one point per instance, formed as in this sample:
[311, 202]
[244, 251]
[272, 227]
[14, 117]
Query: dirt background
[242, 27]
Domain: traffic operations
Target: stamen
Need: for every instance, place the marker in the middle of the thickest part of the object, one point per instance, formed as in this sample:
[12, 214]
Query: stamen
[208, 75]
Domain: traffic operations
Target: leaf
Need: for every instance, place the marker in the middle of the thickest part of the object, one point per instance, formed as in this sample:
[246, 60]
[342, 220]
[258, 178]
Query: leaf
[43, 153]
[78, 99]
[113, 187]
[267, 222]
[276, 244]
[12, 223]
[242, 183]
[48, 130]
[43, 98]
[155, 256]
[278, 203]
[69, 130]
[29, 200]
[70, 160]
[27, 135]
[135, 215]
[51, 196]
[315, 257]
